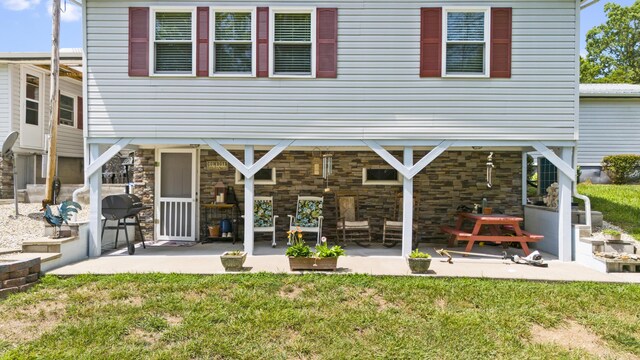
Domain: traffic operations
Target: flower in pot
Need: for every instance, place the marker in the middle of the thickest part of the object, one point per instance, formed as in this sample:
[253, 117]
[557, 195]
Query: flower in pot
[612, 235]
[419, 262]
[233, 260]
[302, 258]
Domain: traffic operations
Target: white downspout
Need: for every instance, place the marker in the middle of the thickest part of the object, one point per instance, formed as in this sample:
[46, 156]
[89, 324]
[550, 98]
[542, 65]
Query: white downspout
[587, 202]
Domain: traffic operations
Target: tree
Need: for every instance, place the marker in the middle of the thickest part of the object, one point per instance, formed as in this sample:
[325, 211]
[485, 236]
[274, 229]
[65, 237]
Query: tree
[613, 48]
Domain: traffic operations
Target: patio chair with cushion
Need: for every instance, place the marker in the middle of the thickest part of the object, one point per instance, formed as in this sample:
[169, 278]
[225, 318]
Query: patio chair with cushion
[263, 218]
[349, 227]
[392, 228]
[308, 216]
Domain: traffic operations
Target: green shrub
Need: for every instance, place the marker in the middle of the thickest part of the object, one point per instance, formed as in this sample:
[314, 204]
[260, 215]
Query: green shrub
[416, 254]
[611, 232]
[324, 251]
[621, 169]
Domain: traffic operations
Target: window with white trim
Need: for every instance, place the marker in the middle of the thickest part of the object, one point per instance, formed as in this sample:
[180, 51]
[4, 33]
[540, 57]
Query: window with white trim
[173, 42]
[233, 42]
[67, 111]
[381, 176]
[466, 36]
[32, 106]
[264, 176]
[293, 42]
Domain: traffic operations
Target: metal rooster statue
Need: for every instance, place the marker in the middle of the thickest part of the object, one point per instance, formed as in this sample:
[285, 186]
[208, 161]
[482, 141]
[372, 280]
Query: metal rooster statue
[62, 216]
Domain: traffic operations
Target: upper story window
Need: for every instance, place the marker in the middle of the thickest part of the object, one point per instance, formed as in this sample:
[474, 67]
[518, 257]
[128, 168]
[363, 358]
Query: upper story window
[173, 42]
[67, 111]
[293, 44]
[32, 105]
[466, 46]
[233, 42]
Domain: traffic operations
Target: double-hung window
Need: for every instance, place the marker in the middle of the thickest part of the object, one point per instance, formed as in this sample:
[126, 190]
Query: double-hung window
[233, 42]
[173, 42]
[67, 111]
[32, 105]
[293, 42]
[466, 46]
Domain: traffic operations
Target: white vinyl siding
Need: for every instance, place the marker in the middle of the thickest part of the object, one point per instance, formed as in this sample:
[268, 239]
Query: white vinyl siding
[173, 42]
[378, 93]
[233, 43]
[465, 41]
[608, 126]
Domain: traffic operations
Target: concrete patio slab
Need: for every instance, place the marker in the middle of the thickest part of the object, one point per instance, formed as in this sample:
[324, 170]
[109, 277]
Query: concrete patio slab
[205, 259]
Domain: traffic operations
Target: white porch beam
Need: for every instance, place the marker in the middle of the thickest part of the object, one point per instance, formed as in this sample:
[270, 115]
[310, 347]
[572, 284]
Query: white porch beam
[565, 245]
[407, 205]
[561, 164]
[248, 170]
[96, 163]
[95, 205]
[408, 171]
[248, 202]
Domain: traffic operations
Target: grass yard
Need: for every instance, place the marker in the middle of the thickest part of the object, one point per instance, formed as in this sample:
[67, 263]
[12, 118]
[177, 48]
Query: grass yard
[620, 204]
[271, 316]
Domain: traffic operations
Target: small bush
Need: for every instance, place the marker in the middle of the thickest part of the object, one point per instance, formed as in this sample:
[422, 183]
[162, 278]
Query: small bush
[621, 169]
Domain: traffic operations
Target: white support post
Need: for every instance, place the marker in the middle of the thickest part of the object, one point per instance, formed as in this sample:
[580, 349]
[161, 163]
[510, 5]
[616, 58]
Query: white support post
[95, 205]
[525, 186]
[565, 245]
[248, 202]
[407, 205]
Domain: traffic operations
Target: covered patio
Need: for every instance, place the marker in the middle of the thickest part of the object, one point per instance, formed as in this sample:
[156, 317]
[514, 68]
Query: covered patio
[434, 177]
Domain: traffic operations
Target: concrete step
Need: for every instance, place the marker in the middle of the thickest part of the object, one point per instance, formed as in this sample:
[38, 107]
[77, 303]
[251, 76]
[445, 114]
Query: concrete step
[44, 257]
[4, 251]
[45, 244]
[585, 231]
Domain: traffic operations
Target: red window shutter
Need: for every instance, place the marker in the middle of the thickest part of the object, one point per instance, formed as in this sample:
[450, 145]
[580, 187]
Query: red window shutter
[262, 51]
[138, 41]
[202, 53]
[500, 43]
[430, 42]
[79, 111]
[327, 43]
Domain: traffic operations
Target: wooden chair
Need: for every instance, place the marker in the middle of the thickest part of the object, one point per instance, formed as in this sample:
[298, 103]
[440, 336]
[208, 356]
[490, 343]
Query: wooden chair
[392, 228]
[349, 227]
[308, 216]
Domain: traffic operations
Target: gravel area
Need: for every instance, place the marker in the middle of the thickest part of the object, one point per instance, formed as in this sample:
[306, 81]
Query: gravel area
[28, 225]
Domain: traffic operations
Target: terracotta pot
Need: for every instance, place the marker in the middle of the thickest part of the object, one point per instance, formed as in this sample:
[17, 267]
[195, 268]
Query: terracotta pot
[214, 231]
[233, 262]
[419, 265]
[300, 263]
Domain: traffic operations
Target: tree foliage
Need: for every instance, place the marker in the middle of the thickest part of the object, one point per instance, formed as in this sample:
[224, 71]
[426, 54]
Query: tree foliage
[613, 48]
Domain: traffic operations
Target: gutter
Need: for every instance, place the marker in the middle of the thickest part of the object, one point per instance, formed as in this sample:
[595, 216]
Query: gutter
[587, 201]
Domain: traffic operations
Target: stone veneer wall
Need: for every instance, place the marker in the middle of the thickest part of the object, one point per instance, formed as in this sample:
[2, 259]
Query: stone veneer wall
[18, 276]
[453, 179]
[144, 178]
[6, 178]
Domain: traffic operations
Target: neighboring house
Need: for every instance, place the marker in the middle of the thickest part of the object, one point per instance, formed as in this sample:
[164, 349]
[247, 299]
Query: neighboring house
[609, 125]
[24, 107]
[407, 96]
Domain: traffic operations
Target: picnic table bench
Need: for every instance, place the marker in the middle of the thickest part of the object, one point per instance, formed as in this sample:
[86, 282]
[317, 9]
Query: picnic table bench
[501, 228]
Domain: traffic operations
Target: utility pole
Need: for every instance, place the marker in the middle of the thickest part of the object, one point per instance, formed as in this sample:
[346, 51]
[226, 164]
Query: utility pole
[53, 102]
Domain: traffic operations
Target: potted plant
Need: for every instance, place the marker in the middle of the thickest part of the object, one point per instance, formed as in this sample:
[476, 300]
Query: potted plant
[612, 235]
[419, 262]
[302, 258]
[233, 260]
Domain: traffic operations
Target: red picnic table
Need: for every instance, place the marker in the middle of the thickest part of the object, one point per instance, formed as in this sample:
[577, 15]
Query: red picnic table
[501, 228]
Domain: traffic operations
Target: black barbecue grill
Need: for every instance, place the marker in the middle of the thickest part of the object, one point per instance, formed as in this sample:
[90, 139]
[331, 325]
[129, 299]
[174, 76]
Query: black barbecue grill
[120, 208]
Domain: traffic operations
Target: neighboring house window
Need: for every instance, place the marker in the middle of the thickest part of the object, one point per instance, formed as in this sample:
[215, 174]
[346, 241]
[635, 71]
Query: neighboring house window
[233, 44]
[264, 176]
[466, 35]
[293, 43]
[173, 45]
[381, 176]
[67, 112]
[32, 106]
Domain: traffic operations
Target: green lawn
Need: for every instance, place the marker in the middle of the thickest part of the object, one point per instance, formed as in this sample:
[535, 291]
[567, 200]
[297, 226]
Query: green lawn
[620, 204]
[269, 316]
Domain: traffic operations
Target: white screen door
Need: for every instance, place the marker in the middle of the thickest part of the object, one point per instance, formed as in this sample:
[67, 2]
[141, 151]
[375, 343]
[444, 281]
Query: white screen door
[176, 210]
[33, 111]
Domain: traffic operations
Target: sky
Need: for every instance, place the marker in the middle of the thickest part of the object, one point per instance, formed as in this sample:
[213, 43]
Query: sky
[25, 25]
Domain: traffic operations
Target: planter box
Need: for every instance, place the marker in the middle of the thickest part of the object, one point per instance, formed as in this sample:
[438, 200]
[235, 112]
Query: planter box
[233, 262]
[419, 265]
[299, 263]
[613, 238]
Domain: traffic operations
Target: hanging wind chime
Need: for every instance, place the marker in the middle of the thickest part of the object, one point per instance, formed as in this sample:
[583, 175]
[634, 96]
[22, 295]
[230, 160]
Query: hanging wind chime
[327, 169]
[490, 168]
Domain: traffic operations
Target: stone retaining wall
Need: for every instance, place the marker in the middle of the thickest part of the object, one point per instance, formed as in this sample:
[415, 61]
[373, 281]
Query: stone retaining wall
[454, 178]
[144, 174]
[6, 178]
[18, 276]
